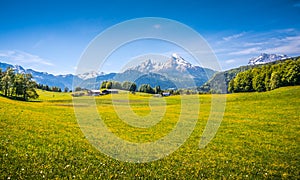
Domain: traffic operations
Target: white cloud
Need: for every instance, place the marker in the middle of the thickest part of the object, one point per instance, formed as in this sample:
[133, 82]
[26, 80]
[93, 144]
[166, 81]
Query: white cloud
[27, 60]
[288, 30]
[21, 57]
[235, 36]
[238, 49]
[246, 51]
[230, 61]
[247, 44]
[288, 45]
[283, 41]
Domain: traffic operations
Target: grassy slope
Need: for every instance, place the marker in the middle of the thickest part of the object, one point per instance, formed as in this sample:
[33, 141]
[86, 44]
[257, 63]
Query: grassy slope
[258, 138]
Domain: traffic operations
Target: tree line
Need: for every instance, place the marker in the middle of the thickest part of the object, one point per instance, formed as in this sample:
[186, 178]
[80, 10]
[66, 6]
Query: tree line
[53, 88]
[130, 86]
[19, 86]
[267, 77]
[145, 88]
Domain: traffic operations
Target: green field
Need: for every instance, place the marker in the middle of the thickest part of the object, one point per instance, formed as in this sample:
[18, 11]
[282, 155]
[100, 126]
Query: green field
[259, 138]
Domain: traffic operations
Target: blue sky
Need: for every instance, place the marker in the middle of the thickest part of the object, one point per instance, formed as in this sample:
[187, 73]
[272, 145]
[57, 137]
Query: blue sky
[51, 35]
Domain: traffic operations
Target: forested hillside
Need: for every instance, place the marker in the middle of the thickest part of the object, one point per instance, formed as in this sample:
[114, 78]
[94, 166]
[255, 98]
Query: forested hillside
[268, 77]
[219, 83]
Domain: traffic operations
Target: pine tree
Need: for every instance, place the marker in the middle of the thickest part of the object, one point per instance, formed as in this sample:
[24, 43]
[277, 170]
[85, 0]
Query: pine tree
[132, 87]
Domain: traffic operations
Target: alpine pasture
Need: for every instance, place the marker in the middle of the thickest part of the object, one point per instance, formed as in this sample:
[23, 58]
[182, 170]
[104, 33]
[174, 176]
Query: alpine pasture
[259, 138]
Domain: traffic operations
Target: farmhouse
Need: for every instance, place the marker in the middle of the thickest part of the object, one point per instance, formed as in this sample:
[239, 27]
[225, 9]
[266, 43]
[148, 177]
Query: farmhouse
[77, 94]
[113, 91]
[94, 92]
[109, 91]
[166, 94]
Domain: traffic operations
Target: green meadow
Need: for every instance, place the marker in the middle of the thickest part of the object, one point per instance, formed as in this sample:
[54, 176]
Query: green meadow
[259, 138]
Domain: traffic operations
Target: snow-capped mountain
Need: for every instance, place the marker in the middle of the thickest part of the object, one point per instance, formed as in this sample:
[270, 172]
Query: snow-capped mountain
[175, 63]
[266, 58]
[147, 66]
[45, 78]
[180, 63]
[17, 68]
[174, 70]
[88, 75]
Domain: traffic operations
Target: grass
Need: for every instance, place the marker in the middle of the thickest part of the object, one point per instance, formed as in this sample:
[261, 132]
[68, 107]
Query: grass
[259, 138]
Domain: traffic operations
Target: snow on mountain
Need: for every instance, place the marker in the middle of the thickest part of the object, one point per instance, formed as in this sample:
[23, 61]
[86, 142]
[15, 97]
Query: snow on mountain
[180, 61]
[147, 66]
[45, 78]
[60, 81]
[16, 68]
[180, 64]
[89, 75]
[176, 62]
[175, 69]
[266, 58]
[19, 69]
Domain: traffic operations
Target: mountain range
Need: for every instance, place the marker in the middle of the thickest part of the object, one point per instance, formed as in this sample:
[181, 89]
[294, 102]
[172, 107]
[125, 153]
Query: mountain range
[264, 58]
[173, 73]
[45, 78]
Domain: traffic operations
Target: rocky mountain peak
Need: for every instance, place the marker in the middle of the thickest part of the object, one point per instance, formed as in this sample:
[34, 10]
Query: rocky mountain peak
[266, 58]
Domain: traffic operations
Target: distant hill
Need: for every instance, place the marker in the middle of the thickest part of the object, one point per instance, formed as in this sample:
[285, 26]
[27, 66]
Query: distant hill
[219, 82]
[94, 83]
[153, 79]
[267, 77]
